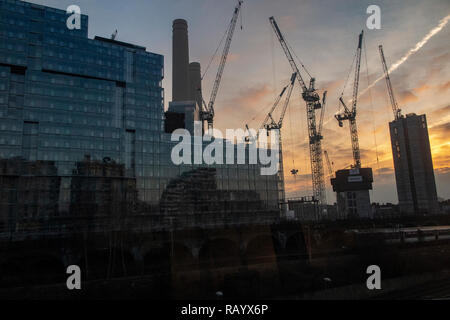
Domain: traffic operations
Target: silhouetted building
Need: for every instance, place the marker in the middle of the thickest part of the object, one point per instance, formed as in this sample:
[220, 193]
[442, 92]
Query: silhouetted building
[414, 175]
[102, 189]
[305, 209]
[29, 193]
[63, 95]
[352, 192]
[173, 121]
[196, 192]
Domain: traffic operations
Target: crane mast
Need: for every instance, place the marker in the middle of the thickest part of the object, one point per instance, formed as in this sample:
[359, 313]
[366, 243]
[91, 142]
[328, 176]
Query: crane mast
[207, 114]
[397, 111]
[312, 99]
[278, 125]
[350, 114]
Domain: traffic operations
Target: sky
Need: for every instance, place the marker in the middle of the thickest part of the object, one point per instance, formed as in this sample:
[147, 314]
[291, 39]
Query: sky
[323, 34]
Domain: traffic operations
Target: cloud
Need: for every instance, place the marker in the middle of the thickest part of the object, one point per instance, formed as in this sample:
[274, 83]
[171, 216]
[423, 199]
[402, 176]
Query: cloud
[422, 88]
[252, 96]
[441, 111]
[445, 86]
[442, 23]
[249, 105]
[441, 130]
[441, 59]
[287, 22]
[406, 97]
[442, 171]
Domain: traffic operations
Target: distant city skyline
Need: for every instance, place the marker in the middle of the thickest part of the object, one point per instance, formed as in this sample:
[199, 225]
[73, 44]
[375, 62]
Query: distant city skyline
[323, 34]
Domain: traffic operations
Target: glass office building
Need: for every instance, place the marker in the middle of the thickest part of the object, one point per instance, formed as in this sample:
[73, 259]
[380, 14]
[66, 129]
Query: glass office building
[74, 109]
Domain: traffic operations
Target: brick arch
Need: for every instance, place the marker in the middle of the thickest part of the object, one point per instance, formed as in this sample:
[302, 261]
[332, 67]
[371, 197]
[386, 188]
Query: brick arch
[219, 252]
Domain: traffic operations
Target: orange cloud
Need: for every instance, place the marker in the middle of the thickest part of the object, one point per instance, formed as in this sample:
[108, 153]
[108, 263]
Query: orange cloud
[441, 112]
[422, 88]
[407, 96]
[248, 105]
[445, 86]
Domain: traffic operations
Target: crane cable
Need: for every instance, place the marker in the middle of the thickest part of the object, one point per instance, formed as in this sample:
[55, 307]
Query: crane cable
[292, 139]
[347, 79]
[241, 16]
[298, 59]
[215, 52]
[221, 41]
[272, 47]
[371, 105]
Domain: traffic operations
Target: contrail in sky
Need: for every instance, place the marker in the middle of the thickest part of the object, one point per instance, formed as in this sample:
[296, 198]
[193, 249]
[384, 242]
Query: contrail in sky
[416, 48]
[442, 23]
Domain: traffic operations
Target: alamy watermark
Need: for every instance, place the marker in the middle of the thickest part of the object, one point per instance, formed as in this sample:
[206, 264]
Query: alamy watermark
[74, 280]
[374, 20]
[261, 149]
[374, 280]
[74, 20]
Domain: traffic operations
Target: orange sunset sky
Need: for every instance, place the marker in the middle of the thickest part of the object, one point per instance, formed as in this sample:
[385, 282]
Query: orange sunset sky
[323, 34]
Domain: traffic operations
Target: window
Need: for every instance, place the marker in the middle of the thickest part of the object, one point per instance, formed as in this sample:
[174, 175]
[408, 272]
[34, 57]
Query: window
[30, 140]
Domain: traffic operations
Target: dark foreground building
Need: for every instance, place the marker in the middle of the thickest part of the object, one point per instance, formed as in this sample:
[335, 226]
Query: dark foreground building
[416, 186]
[65, 98]
[85, 164]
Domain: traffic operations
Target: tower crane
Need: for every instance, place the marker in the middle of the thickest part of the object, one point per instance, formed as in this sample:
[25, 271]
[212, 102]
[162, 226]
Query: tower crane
[397, 111]
[350, 114]
[312, 99]
[269, 124]
[207, 112]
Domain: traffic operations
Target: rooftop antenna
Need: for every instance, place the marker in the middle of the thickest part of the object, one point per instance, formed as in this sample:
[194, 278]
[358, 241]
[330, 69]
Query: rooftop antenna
[114, 35]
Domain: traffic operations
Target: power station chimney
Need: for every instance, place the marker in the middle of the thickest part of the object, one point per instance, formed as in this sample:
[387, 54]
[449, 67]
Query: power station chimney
[180, 61]
[195, 83]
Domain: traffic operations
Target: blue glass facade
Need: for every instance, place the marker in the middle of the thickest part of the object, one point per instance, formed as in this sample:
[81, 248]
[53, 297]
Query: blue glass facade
[65, 98]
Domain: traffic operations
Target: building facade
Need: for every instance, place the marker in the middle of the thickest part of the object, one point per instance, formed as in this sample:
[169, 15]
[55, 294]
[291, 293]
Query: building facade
[414, 174]
[352, 192]
[65, 98]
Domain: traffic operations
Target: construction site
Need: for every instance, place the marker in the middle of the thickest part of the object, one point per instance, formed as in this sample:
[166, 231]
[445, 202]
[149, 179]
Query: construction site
[352, 186]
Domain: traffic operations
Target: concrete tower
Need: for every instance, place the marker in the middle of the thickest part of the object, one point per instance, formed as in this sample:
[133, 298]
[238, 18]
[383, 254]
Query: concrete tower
[195, 83]
[180, 61]
[414, 173]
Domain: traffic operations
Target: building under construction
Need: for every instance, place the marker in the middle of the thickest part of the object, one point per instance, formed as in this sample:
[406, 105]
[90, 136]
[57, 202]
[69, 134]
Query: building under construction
[414, 174]
[352, 185]
[352, 192]
[84, 135]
